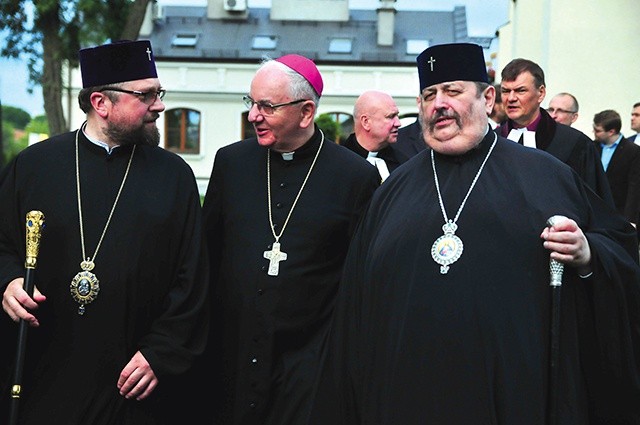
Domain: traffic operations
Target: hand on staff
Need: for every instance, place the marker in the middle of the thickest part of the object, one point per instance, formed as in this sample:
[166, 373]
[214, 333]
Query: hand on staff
[18, 304]
[137, 379]
[568, 245]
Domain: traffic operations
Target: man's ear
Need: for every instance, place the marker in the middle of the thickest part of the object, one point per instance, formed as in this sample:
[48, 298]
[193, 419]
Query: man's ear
[308, 112]
[100, 103]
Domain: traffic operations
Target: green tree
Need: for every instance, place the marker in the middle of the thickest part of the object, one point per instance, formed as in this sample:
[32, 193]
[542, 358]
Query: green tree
[16, 116]
[13, 146]
[329, 126]
[54, 36]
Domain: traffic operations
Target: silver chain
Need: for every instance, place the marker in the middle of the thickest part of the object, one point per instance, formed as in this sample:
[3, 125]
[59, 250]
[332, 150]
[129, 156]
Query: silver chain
[473, 183]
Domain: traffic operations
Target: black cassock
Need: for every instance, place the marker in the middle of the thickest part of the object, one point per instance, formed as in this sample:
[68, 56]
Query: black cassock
[267, 331]
[151, 270]
[410, 345]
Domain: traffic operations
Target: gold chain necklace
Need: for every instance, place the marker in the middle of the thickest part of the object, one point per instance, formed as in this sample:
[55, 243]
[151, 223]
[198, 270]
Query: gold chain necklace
[85, 285]
[275, 255]
[447, 249]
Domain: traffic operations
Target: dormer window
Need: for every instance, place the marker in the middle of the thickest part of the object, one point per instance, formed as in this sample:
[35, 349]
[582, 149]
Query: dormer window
[184, 40]
[340, 45]
[264, 42]
[415, 47]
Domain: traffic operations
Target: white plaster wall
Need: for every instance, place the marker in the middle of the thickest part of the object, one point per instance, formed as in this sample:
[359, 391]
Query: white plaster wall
[216, 91]
[590, 48]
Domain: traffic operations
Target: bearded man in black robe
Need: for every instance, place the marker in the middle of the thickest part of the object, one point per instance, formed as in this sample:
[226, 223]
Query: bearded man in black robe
[118, 312]
[444, 310]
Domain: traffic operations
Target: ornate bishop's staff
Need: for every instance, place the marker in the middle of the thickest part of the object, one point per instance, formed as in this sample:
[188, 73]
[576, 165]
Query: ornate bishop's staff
[35, 224]
[556, 269]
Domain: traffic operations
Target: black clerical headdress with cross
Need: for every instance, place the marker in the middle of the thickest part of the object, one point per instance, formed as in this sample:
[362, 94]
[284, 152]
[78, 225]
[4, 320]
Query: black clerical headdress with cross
[451, 62]
[117, 62]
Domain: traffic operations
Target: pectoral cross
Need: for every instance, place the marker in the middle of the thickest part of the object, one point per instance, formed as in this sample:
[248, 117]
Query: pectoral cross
[275, 256]
[431, 61]
[148, 52]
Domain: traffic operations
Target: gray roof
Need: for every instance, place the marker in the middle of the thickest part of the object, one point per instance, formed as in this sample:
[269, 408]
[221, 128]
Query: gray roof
[222, 40]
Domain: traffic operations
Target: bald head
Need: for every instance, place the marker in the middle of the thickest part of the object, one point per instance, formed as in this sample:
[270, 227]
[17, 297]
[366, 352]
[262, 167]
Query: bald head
[376, 120]
[563, 108]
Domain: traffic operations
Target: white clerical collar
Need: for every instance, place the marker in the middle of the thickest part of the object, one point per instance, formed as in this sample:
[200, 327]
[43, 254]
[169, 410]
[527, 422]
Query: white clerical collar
[528, 137]
[287, 156]
[97, 142]
[372, 155]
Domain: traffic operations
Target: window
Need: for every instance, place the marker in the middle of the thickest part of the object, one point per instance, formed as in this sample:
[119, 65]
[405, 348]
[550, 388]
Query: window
[415, 47]
[340, 45]
[247, 127]
[182, 131]
[184, 40]
[264, 42]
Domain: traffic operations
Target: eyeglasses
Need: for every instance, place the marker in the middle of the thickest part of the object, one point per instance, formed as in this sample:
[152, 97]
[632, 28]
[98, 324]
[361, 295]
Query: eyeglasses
[560, 111]
[147, 97]
[267, 108]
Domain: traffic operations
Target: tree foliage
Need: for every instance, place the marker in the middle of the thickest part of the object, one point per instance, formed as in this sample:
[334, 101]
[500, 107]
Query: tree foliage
[329, 126]
[49, 33]
[18, 117]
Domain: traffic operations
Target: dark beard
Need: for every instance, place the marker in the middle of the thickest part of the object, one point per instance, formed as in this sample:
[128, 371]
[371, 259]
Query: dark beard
[137, 136]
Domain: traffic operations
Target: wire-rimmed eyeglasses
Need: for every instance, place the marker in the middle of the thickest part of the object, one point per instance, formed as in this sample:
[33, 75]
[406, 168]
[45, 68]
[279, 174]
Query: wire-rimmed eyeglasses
[559, 111]
[267, 108]
[147, 97]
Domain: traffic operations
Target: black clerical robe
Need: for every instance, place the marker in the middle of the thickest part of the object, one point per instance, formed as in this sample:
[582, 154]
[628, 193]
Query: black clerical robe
[412, 346]
[267, 331]
[387, 154]
[151, 269]
[572, 147]
[410, 141]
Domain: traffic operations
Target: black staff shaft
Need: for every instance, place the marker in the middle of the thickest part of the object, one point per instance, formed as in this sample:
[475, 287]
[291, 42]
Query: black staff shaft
[34, 225]
[21, 346]
[555, 354]
[556, 270]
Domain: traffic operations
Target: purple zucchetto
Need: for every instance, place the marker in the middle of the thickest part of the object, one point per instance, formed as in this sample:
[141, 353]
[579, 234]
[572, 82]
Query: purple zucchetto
[117, 62]
[451, 62]
[306, 68]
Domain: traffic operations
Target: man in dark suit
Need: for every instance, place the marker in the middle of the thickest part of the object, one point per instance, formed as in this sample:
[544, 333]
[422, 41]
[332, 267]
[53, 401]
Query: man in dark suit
[410, 140]
[621, 162]
[523, 90]
[375, 124]
[635, 123]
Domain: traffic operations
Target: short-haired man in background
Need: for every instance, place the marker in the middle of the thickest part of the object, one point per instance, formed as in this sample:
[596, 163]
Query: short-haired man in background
[563, 108]
[635, 123]
[375, 129]
[523, 90]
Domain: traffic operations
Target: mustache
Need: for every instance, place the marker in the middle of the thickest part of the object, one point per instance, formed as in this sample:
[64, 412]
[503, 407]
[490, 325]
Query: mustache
[443, 113]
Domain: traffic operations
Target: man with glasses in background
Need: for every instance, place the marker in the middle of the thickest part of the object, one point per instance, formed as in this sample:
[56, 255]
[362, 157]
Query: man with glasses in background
[279, 213]
[119, 306]
[523, 90]
[563, 108]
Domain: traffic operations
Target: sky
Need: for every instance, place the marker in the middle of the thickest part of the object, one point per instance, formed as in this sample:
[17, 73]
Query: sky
[484, 17]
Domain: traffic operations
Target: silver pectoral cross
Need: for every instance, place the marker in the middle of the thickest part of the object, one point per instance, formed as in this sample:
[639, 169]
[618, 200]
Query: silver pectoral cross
[275, 256]
[148, 52]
